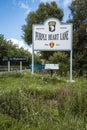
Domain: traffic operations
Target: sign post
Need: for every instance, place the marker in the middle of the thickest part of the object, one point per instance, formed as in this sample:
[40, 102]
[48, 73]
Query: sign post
[8, 66]
[20, 66]
[51, 67]
[71, 66]
[32, 61]
[52, 36]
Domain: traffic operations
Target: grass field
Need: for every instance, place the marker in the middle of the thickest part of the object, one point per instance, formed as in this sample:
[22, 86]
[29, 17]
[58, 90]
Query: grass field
[39, 102]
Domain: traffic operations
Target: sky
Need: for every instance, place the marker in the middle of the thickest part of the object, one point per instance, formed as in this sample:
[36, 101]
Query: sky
[14, 12]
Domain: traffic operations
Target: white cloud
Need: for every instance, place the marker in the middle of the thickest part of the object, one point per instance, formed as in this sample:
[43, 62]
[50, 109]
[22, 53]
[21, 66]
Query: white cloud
[67, 2]
[20, 44]
[24, 6]
[27, 11]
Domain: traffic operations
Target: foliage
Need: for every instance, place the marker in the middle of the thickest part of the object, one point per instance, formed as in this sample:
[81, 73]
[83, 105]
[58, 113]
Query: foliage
[40, 102]
[8, 123]
[3, 46]
[60, 58]
[8, 49]
[78, 10]
[43, 12]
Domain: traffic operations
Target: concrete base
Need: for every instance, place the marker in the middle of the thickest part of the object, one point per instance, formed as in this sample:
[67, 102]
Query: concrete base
[70, 81]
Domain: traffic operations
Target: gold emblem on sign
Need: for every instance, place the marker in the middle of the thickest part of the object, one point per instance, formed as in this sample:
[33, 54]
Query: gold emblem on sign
[51, 44]
[52, 25]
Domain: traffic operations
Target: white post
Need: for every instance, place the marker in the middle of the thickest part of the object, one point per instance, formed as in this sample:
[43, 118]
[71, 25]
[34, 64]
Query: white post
[9, 66]
[71, 65]
[20, 66]
[32, 61]
[32, 50]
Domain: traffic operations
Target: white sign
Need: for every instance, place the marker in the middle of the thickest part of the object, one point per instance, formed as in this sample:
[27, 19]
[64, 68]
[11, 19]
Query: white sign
[52, 35]
[51, 66]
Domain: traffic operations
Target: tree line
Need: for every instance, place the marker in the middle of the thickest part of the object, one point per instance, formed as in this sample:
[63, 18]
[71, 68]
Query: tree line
[7, 48]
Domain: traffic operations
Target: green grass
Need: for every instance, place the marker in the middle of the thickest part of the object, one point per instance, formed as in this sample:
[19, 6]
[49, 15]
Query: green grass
[39, 102]
[8, 123]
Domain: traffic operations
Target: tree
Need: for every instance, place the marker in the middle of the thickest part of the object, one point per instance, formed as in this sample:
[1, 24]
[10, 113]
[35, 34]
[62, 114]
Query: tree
[79, 19]
[43, 12]
[8, 49]
[61, 58]
[3, 46]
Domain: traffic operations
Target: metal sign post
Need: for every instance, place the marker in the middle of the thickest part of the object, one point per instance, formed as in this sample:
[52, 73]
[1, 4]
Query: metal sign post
[71, 80]
[71, 66]
[32, 61]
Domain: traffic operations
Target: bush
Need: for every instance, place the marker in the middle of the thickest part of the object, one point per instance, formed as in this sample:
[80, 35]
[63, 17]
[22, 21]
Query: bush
[43, 103]
[32, 108]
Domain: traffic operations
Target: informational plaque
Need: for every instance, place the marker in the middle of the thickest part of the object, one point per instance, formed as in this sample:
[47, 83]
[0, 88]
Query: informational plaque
[52, 66]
